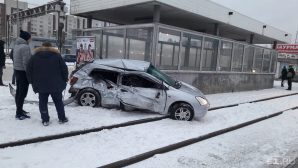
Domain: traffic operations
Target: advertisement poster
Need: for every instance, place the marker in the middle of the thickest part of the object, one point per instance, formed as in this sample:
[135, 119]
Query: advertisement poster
[85, 49]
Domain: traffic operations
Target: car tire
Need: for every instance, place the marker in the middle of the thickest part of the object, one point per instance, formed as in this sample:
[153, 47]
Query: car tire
[89, 97]
[182, 111]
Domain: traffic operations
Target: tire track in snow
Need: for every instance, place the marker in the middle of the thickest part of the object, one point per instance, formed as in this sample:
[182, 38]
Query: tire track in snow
[115, 126]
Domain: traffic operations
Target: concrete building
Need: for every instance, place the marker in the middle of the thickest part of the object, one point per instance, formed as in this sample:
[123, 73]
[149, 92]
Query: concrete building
[196, 41]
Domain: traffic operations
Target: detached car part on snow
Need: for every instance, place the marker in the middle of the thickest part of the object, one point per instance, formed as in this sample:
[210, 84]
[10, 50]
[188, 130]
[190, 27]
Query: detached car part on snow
[132, 84]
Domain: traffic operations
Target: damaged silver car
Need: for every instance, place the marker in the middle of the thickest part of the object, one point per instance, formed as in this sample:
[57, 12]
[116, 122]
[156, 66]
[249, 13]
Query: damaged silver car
[136, 85]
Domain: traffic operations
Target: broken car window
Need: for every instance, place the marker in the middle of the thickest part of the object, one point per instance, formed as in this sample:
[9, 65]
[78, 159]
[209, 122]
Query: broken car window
[138, 81]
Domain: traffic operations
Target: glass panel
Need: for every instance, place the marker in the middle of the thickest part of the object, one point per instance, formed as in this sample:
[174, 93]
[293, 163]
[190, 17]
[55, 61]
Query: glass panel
[139, 43]
[273, 62]
[168, 49]
[258, 60]
[225, 56]
[238, 57]
[113, 43]
[96, 33]
[266, 61]
[209, 57]
[191, 52]
[248, 59]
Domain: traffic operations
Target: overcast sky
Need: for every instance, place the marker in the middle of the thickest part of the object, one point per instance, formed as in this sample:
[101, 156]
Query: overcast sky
[281, 14]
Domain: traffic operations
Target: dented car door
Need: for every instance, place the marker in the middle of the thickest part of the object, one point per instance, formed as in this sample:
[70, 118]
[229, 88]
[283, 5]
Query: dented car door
[141, 92]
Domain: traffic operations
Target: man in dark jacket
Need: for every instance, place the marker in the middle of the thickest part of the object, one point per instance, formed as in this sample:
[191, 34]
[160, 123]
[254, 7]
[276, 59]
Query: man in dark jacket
[21, 55]
[291, 74]
[48, 74]
[2, 61]
[284, 74]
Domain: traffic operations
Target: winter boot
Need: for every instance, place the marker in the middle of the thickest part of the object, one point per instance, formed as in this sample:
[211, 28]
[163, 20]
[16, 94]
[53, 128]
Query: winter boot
[63, 121]
[45, 123]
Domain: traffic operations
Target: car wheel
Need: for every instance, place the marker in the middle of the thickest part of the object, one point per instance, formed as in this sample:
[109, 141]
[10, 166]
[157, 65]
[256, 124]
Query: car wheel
[182, 111]
[89, 97]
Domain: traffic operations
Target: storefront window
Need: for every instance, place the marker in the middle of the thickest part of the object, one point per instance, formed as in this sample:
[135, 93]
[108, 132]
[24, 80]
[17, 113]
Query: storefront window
[191, 52]
[273, 62]
[96, 34]
[113, 44]
[139, 44]
[168, 49]
[248, 59]
[258, 60]
[266, 61]
[209, 57]
[225, 56]
[237, 58]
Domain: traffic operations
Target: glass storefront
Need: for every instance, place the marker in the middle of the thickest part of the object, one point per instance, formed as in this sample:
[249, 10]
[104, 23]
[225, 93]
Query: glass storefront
[173, 49]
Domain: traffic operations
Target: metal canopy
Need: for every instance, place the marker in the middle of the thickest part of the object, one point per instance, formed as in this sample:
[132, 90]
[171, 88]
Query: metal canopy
[143, 13]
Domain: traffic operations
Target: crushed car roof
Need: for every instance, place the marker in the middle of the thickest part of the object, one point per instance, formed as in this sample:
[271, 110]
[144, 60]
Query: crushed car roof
[126, 64]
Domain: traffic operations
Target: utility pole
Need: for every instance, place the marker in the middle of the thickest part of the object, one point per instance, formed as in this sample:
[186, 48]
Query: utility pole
[5, 25]
[18, 18]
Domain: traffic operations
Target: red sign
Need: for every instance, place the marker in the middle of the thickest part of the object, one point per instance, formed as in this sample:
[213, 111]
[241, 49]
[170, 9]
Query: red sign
[287, 48]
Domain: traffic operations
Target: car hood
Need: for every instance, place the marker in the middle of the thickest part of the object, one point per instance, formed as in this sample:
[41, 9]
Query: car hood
[191, 90]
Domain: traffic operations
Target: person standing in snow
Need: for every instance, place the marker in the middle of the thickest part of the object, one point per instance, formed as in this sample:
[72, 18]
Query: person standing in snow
[2, 61]
[21, 54]
[291, 74]
[284, 73]
[48, 74]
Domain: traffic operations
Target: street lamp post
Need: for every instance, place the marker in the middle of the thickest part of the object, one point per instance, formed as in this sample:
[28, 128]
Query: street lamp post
[18, 21]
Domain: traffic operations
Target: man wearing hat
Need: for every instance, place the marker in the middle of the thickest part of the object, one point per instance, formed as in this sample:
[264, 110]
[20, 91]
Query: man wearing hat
[21, 55]
[2, 61]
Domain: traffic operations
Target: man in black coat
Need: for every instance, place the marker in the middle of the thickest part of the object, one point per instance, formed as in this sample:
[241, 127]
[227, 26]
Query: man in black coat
[291, 74]
[284, 74]
[2, 61]
[48, 74]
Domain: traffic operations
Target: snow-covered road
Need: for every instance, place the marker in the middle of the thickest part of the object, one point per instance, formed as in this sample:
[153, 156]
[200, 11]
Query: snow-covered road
[108, 146]
[268, 144]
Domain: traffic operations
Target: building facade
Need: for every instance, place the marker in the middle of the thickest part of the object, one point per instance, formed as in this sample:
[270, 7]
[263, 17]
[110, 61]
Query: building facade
[210, 50]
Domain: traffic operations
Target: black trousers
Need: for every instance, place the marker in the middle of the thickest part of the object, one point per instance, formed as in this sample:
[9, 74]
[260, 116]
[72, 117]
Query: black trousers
[22, 90]
[282, 81]
[1, 74]
[290, 83]
[43, 105]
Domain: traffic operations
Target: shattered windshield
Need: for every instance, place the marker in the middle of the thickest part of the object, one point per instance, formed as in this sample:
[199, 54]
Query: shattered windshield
[161, 76]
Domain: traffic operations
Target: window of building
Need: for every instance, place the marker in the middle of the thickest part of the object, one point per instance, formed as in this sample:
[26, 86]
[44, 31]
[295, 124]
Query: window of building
[209, 57]
[113, 44]
[191, 52]
[266, 61]
[139, 43]
[258, 60]
[226, 49]
[273, 61]
[237, 57]
[168, 49]
[248, 59]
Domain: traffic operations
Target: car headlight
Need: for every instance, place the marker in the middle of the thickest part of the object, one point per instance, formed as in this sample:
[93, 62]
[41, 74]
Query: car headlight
[202, 101]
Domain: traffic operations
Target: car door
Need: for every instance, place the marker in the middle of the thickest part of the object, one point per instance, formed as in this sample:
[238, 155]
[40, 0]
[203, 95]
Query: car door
[141, 92]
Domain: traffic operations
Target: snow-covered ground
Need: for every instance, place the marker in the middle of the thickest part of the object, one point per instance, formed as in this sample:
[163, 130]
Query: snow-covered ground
[271, 143]
[96, 149]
